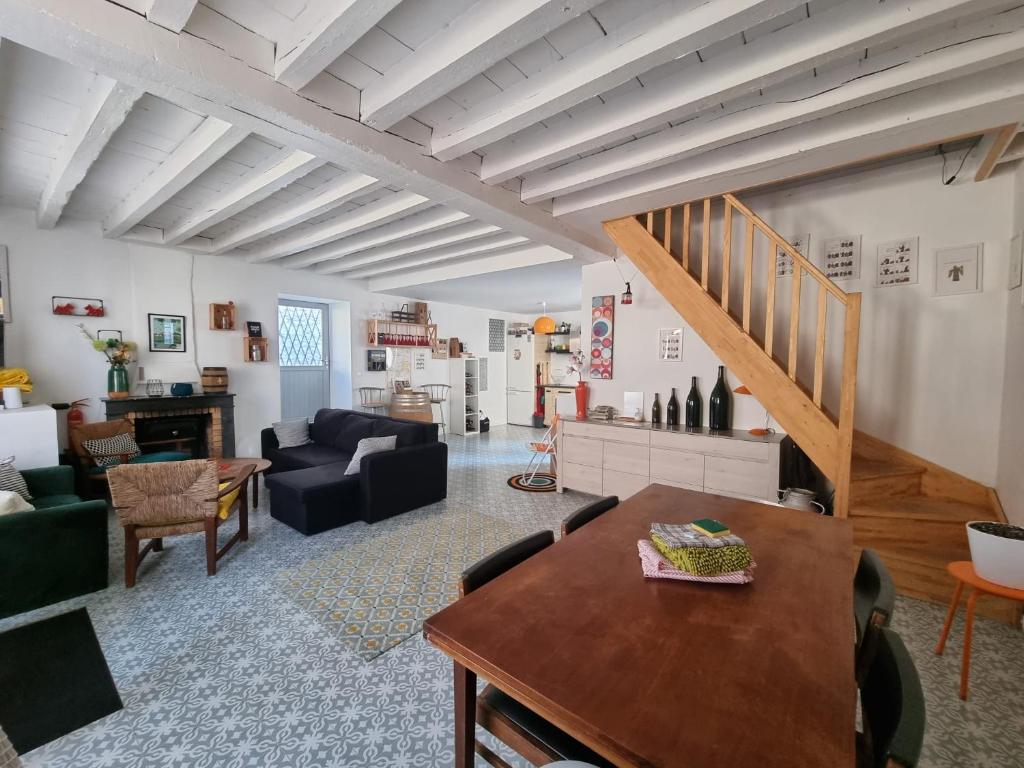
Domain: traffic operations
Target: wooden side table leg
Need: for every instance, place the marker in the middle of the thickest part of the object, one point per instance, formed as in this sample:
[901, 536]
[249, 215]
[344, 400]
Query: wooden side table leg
[465, 716]
[941, 645]
[965, 670]
[255, 490]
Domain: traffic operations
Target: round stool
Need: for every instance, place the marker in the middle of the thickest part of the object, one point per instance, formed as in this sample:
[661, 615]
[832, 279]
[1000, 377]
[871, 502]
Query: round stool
[963, 572]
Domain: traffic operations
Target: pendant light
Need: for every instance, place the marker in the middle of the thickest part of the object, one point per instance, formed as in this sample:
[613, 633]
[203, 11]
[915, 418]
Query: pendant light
[544, 324]
[627, 295]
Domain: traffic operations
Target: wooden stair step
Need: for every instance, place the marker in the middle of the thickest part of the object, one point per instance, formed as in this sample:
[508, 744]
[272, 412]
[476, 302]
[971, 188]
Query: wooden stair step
[868, 469]
[921, 508]
[872, 479]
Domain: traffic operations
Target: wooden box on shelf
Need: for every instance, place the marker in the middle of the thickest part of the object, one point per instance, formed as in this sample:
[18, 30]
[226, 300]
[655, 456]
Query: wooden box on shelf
[454, 348]
[255, 350]
[222, 317]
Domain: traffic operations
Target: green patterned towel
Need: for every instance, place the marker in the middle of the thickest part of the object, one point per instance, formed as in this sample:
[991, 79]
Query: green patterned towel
[704, 561]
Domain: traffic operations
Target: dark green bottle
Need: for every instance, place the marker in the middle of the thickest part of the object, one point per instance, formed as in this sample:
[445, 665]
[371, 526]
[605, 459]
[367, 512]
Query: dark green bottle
[718, 403]
[656, 410]
[694, 407]
[672, 412]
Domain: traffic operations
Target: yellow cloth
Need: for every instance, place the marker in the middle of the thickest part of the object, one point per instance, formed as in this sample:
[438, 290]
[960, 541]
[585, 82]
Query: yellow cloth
[224, 504]
[15, 377]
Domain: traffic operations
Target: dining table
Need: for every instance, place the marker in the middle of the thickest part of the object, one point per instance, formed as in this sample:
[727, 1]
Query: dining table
[657, 672]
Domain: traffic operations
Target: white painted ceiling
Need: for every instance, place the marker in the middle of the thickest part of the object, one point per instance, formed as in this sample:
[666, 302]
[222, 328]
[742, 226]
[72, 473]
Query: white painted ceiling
[407, 141]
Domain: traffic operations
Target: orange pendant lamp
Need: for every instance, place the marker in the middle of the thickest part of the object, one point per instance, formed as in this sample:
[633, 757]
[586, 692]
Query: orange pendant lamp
[544, 324]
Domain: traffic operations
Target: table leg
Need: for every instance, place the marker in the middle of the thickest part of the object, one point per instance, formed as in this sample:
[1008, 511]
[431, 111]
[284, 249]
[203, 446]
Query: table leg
[941, 645]
[465, 716]
[965, 669]
[255, 490]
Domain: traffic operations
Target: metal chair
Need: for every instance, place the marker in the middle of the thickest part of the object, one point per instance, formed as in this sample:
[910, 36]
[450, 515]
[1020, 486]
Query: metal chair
[892, 701]
[438, 396]
[874, 597]
[372, 399]
[540, 450]
[584, 515]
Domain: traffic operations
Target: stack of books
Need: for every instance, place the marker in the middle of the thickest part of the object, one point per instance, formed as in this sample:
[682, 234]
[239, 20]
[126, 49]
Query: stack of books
[704, 550]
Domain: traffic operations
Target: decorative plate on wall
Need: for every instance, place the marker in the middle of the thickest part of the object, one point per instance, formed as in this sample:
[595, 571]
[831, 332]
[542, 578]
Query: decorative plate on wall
[602, 330]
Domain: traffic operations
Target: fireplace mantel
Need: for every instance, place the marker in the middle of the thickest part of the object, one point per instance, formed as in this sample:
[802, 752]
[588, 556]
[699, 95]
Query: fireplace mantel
[221, 407]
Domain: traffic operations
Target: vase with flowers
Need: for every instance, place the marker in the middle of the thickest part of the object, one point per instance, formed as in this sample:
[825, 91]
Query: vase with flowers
[582, 388]
[118, 353]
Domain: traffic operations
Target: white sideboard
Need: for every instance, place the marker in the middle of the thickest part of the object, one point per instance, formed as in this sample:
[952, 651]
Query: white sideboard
[30, 435]
[623, 458]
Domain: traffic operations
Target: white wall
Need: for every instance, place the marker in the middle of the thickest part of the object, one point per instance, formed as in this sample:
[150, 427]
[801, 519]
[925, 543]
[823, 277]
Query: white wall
[134, 280]
[1011, 444]
[930, 377]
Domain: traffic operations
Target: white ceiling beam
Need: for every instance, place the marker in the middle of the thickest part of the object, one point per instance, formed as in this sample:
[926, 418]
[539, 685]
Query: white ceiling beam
[478, 38]
[449, 236]
[287, 166]
[205, 146]
[516, 259]
[928, 61]
[486, 245]
[316, 203]
[825, 37]
[390, 207]
[417, 224]
[322, 32]
[921, 118]
[670, 31]
[105, 109]
[170, 14]
[196, 74]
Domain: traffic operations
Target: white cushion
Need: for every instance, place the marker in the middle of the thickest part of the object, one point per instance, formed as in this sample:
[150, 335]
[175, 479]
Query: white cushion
[11, 502]
[370, 445]
[12, 480]
[292, 434]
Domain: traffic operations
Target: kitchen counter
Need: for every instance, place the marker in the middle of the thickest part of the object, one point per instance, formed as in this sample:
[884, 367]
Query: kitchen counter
[728, 434]
[557, 386]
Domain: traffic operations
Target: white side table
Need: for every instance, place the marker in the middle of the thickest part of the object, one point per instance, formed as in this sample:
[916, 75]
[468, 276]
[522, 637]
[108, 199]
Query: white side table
[30, 435]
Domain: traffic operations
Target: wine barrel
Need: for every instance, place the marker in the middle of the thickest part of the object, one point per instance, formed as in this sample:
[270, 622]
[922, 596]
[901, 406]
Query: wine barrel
[215, 380]
[411, 405]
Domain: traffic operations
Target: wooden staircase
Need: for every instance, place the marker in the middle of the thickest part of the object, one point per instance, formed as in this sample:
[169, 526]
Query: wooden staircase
[910, 510]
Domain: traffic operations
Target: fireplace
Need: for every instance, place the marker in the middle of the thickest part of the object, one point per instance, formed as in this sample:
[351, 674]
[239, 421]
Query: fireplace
[204, 423]
[185, 433]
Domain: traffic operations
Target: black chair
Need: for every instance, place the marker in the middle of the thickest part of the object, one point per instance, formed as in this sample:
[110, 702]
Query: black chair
[510, 722]
[584, 515]
[874, 598]
[892, 702]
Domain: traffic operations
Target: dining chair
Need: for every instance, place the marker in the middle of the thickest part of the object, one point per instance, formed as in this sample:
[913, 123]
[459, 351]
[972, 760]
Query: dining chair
[545, 448]
[372, 399]
[171, 499]
[874, 597]
[584, 515]
[892, 703]
[521, 729]
[438, 396]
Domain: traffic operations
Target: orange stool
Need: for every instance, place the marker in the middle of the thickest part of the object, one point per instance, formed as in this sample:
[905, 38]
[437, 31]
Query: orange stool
[963, 572]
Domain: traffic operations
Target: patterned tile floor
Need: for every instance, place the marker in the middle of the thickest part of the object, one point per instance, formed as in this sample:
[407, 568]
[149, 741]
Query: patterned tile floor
[230, 671]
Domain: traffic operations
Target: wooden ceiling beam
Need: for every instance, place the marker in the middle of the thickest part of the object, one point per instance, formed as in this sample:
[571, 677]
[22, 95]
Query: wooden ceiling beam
[448, 236]
[992, 147]
[516, 258]
[105, 109]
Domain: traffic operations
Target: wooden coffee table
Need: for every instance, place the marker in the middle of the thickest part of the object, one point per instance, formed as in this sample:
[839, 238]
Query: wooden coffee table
[227, 469]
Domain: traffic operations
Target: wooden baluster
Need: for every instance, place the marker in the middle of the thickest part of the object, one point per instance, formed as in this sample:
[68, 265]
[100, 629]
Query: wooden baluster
[650, 222]
[794, 320]
[726, 254]
[686, 236]
[819, 346]
[705, 247]
[847, 401]
[748, 274]
[668, 230]
[769, 312]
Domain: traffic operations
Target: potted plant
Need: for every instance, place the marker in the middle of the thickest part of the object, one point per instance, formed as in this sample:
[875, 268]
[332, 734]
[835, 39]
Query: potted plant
[997, 550]
[118, 353]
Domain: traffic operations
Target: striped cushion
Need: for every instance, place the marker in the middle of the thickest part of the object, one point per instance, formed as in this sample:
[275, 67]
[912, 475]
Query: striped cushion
[110, 451]
[11, 479]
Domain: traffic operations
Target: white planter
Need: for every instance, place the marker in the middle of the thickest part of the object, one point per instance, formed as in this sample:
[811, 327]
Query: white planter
[996, 558]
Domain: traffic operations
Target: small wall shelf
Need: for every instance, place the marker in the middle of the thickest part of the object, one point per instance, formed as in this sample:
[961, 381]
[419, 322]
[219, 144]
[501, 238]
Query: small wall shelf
[222, 317]
[255, 349]
[391, 333]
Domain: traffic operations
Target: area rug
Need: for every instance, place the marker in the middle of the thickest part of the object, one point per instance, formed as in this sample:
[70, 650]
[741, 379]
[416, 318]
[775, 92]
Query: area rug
[375, 593]
[542, 482]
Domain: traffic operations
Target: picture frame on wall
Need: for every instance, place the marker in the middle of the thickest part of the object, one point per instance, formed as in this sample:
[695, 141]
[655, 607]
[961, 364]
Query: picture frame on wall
[897, 263]
[109, 334]
[254, 328]
[166, 333]
[670, 345]
[958, 270]
[5, 286]
[1016, 261]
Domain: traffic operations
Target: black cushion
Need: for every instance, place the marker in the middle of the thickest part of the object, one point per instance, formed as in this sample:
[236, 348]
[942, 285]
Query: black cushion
[408, 432]
[315, 499]
[353, 428]
[311, 455]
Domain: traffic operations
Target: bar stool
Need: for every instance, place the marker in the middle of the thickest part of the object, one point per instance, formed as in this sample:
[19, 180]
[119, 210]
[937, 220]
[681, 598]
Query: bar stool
[438, 396]
[372, 399]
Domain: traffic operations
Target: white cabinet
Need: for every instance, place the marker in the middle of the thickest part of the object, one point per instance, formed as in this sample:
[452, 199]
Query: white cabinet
[464, 375]
[29, 434]
[621, 460]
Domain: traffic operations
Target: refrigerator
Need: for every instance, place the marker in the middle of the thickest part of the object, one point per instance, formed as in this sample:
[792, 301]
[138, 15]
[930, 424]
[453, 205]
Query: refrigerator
[520, 389]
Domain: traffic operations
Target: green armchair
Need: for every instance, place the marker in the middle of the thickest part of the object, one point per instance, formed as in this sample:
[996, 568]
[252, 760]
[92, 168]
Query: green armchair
[56, 552]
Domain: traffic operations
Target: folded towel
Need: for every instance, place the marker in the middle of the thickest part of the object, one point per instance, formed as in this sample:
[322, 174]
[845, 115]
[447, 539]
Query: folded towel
[657, 567]
[704, 561]
[15, 377]
[683, 536]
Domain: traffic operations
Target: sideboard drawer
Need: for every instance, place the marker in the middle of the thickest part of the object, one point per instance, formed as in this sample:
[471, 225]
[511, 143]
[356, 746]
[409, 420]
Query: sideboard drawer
[579, 477]
[677, 467]
[712, 446]
[627, 457]
[602, 432]
[582, 450]
[623, 484]
[747, 478]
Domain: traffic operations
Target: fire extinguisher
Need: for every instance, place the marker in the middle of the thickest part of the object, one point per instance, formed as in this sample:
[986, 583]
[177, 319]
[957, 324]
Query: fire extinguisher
[75, 416]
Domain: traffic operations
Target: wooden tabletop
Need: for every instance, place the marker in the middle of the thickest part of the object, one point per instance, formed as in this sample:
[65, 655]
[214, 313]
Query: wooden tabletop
[233, 465]
[663, 673]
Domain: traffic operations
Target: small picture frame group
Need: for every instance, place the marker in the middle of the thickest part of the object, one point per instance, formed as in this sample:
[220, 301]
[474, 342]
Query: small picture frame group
[670, 345]
[166, 333]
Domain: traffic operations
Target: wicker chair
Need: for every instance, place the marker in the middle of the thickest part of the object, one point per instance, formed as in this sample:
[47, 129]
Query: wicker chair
[174, 498]
[86, 467]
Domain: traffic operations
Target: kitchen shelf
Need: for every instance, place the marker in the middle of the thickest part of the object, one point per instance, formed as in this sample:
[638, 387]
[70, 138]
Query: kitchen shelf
[558, 351]
[392, 333]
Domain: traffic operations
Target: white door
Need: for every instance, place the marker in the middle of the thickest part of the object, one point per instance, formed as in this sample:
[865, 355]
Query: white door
[304, 334]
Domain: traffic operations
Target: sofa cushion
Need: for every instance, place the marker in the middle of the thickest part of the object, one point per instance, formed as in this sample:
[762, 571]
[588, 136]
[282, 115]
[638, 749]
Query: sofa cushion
[353, 429]
[57, 500]
[304, 456]
[111, 451]
[11, 502]
[293, 433]
[315, 499]
[12, 480]
[326, 424]
[408, 433]
[367, 446]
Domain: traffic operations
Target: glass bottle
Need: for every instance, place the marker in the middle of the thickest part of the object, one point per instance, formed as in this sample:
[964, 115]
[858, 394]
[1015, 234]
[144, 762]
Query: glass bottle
[718, 403]
[672, 412]
[656, 410]
[694, 407]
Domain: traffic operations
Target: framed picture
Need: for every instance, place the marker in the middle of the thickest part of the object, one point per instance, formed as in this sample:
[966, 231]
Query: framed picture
[1016, 259]
[602, 333]
[254, 328]
[784, 262]
[897, 263]
[670, 344]
[5, 286]
[841, 257]
[958, 270]
[166, 333]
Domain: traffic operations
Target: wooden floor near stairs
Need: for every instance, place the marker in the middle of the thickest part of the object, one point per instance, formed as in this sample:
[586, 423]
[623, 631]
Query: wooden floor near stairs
[899, 510]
